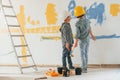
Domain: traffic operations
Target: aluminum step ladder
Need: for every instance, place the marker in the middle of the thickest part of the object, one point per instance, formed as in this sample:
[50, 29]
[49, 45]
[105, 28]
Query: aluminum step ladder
[19, 36]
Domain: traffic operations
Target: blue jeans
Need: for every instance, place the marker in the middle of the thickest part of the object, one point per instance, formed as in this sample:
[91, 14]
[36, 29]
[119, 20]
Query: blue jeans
[66, 56]
[84, 45]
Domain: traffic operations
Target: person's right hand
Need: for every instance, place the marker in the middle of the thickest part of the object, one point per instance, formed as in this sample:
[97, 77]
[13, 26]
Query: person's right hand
[67, 46]
[94, 38]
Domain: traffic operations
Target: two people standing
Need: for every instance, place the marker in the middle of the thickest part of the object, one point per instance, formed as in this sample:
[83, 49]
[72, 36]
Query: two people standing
[83, 32]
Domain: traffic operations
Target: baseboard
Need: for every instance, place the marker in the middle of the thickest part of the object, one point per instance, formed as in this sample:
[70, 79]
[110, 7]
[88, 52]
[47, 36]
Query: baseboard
[104, 65]
[76, 65]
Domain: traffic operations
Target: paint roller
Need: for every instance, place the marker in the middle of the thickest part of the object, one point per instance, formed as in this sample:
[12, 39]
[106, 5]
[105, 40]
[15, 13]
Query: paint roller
[71, 52]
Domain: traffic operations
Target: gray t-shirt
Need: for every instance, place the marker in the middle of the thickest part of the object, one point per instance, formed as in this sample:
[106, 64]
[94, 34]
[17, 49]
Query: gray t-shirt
[66, 34]
[82, 29]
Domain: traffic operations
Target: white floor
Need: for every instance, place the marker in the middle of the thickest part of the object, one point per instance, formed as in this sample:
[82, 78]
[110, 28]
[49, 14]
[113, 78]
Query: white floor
[13, 73]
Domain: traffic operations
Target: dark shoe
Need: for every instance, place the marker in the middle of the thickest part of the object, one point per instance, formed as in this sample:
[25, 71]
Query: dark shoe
[71, 67]
[65, 68]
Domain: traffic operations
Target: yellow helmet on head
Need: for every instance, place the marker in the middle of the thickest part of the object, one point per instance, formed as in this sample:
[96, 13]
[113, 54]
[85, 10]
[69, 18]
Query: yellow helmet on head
[79, 11]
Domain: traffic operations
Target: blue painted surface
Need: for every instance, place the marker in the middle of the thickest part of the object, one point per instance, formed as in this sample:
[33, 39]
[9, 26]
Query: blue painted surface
[107, 36]
[71, 7]
[96, 11]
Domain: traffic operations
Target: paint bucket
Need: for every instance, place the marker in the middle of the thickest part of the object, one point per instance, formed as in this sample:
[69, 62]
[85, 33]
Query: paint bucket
[78, 71]
[59, 69]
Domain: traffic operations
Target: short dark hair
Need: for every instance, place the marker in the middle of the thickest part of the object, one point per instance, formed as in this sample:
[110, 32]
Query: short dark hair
[80, 16]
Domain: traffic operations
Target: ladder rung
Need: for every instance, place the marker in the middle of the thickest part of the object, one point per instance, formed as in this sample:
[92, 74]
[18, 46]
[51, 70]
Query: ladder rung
[17, 35]
[27, 66]
[14, 25]
[24, 56]
[10, 16]
[7, 6]
[20, 45]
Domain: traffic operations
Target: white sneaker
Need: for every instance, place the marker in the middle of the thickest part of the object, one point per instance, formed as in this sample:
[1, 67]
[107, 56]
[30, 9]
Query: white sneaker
[84, 71]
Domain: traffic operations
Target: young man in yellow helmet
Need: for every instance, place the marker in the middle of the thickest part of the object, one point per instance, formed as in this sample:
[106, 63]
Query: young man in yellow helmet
[67, 40]
[83, 32]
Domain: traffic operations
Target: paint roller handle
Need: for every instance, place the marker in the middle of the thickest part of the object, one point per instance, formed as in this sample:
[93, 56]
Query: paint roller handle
[71, 52]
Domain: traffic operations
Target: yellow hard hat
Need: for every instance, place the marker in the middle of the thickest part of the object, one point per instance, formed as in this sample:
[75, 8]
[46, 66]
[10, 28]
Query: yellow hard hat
[79, 11]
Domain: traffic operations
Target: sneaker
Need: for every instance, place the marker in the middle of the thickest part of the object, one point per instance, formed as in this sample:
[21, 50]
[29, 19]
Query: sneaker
[84, 71]
[65, 68]
[71, 67]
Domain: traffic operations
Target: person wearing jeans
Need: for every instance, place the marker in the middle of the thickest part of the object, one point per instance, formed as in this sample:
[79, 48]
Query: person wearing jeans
[67, 40]
[83, 32]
